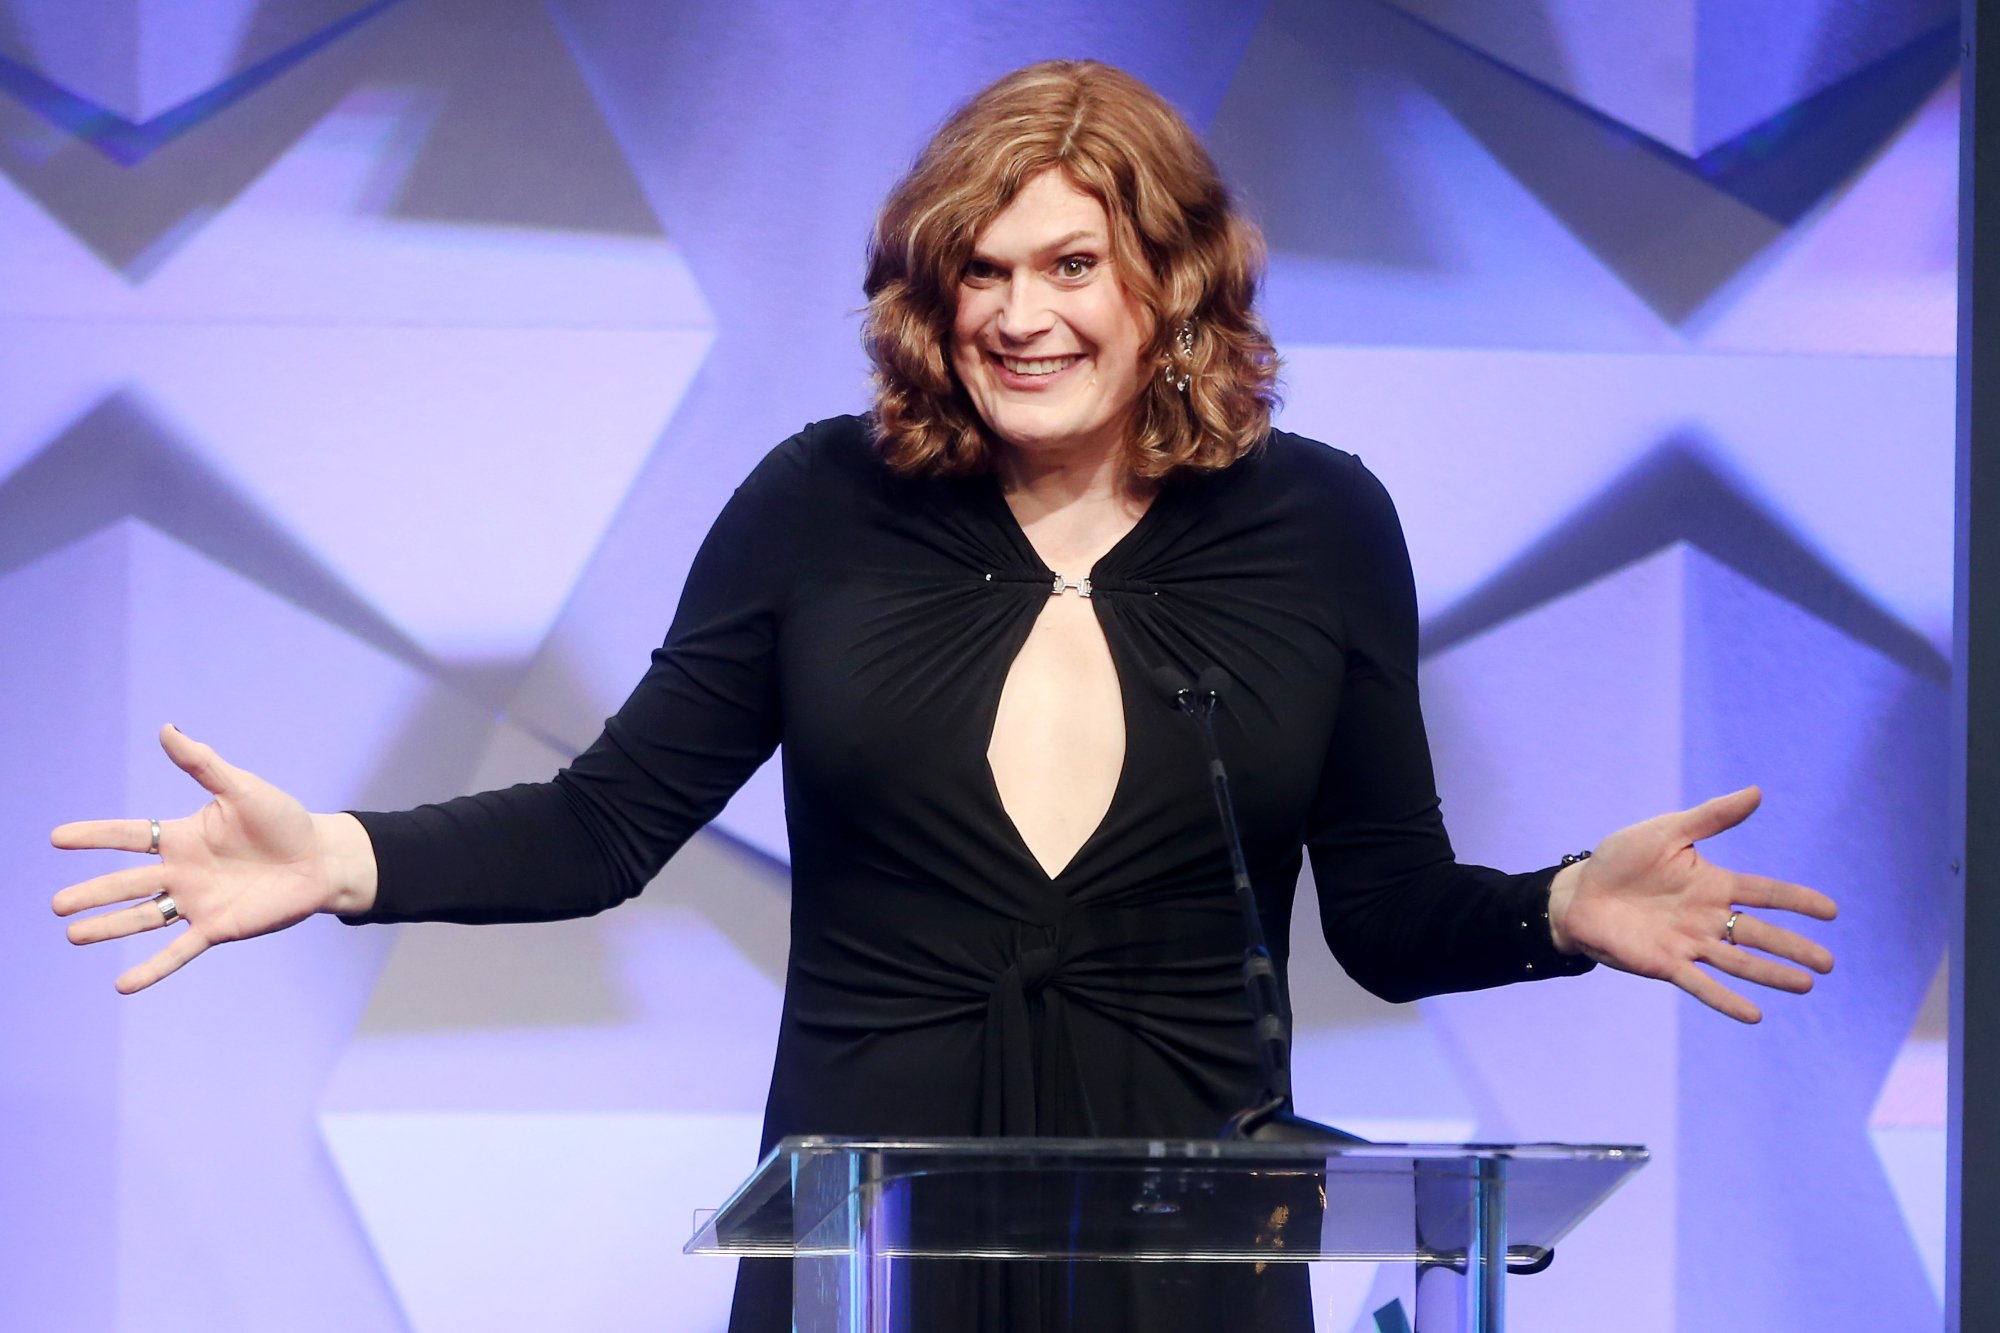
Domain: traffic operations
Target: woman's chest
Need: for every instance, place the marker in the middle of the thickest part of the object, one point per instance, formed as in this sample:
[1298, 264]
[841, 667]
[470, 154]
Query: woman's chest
[952, 687]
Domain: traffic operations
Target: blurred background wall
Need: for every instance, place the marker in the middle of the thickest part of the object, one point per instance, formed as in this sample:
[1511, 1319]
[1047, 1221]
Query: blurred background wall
[370, 371]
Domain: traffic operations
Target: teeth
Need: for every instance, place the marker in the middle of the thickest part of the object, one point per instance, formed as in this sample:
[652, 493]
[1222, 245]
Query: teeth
[1044, 366]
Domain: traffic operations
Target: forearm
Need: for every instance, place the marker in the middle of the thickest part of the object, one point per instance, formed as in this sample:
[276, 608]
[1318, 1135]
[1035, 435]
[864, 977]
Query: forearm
[1448, 928]
[531, 852]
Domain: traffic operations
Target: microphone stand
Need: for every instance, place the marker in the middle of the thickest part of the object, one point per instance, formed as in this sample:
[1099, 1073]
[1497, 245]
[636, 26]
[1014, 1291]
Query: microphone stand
[1271, 1119]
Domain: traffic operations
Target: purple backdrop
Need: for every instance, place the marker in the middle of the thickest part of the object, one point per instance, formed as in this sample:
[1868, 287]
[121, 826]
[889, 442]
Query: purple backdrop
[370, 370]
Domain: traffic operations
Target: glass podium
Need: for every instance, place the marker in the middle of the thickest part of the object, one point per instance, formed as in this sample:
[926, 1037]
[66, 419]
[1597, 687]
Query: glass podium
[850, 1213]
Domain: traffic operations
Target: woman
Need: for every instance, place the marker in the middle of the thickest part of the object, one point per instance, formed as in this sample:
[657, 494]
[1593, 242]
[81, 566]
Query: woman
[1011, 905]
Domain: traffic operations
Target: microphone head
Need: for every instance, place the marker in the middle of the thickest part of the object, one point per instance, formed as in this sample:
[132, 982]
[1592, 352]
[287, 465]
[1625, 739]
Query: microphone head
[1171, 683]
[1213, 680]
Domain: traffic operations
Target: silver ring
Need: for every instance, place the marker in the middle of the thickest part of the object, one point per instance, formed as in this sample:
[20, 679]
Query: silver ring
[1729, 928]
[169, 912]
[154, 850]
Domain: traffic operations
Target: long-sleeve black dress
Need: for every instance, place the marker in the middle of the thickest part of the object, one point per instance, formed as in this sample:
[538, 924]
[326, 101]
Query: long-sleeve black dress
[941, 982]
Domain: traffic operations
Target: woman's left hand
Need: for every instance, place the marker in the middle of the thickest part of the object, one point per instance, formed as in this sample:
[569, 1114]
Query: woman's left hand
[1646, 902]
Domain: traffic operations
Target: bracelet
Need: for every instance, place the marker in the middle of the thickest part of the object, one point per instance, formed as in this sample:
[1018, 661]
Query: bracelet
[1571, 858]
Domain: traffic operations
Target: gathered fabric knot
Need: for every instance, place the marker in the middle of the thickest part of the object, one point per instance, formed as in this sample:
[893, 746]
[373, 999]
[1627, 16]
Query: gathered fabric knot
[1036, 966]
[1027, 1060]
[1025, 1044]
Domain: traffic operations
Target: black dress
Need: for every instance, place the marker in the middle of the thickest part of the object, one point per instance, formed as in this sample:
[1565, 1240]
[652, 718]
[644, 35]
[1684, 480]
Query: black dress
[940, 982]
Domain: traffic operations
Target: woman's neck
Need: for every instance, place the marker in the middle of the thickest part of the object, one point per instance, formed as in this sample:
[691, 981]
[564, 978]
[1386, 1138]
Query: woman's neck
[1073, 507]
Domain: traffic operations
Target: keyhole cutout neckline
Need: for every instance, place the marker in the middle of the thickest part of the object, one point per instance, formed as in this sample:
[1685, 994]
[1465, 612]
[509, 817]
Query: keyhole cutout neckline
[1045, 823]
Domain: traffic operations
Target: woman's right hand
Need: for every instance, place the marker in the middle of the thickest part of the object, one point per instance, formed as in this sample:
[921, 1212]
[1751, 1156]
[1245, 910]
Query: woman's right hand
[251, 861]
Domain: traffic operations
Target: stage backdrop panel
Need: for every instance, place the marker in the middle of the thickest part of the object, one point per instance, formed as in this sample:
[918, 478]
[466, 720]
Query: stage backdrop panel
[371, 369]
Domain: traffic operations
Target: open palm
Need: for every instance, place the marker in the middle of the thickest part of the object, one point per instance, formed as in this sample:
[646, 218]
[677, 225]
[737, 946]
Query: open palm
[1647, 902]
[247, 863]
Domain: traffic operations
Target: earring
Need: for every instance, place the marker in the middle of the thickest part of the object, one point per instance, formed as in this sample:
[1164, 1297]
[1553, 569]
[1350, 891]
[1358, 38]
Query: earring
[1183, 344]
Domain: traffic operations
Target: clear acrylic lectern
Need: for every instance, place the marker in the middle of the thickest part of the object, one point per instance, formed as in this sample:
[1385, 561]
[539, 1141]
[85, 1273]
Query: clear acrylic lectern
[850, 1213]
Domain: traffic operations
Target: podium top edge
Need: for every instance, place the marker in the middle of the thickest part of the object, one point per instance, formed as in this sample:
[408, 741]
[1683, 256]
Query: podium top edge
[1211, 1149]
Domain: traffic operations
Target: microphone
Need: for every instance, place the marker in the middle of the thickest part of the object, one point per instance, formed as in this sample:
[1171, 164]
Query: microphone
[1270, 1119]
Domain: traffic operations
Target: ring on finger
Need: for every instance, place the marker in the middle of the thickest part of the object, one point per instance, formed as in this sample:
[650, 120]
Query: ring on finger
[154, 849]
[169, 910]
[1729, 928]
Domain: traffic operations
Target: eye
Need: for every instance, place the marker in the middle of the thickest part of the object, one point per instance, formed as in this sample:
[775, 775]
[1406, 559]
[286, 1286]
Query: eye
[979, 272]
[1075, 268]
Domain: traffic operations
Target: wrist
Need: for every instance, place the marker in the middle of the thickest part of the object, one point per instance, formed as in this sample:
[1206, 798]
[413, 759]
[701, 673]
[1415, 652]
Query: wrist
[349, 861]
[1562, 892]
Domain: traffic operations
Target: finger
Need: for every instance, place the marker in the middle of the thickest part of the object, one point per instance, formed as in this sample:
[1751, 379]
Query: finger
[1767, 938]
[1723, 812]
[133, 920]
[1716, 995]
[1762, 891]
[117, 887]
[198, 761]
[1757, 969]
[184, 947]
[116, 835]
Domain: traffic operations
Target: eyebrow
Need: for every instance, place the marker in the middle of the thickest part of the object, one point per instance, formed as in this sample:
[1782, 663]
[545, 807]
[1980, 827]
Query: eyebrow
[1059, 244]
[1086, 234]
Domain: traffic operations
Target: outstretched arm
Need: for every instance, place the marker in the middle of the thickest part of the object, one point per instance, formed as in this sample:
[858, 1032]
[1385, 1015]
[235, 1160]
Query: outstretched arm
[251, 861]
[1408, 920]
[1647, 902]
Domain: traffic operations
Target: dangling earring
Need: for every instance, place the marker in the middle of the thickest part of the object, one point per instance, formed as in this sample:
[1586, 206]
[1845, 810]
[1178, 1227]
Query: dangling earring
[1183, 344]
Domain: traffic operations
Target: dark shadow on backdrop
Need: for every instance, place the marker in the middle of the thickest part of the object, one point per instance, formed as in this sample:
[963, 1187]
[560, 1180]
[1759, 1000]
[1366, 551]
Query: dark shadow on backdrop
[1677, 492]
[129, 142]
[1675, 229]
[1298, 141]
[120, 460]
[501, 130]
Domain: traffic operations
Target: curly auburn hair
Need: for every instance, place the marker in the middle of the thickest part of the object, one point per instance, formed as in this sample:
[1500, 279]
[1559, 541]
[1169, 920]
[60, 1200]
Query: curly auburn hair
[1179, 247]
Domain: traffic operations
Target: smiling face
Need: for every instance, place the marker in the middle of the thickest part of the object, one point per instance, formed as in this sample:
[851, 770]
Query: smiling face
[1046, 340]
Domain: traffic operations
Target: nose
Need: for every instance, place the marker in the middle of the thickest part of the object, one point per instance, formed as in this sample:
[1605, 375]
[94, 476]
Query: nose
[1024, 313]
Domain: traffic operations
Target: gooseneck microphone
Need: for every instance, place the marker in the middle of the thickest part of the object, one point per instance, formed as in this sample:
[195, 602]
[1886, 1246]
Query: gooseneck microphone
[1270, 1119]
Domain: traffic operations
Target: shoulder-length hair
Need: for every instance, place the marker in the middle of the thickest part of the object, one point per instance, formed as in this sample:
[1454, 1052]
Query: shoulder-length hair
[1179, 247]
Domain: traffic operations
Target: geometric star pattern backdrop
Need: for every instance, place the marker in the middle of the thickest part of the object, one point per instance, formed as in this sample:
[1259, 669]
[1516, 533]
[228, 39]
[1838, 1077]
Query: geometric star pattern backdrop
[370, 371]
